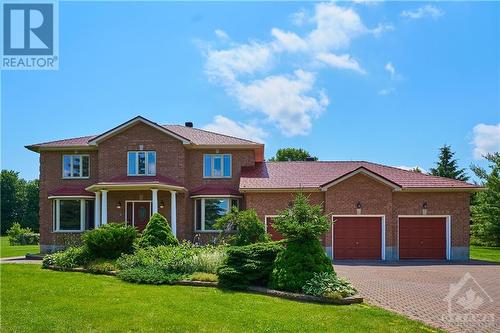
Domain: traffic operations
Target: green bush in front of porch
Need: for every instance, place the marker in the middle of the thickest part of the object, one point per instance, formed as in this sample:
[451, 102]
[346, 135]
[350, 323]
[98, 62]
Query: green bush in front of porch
[157, 233]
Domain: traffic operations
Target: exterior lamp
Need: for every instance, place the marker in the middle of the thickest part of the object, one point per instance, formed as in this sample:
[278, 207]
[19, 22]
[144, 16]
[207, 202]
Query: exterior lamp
[162, 204]
[424, 205]
[358, 205]
[119, 205]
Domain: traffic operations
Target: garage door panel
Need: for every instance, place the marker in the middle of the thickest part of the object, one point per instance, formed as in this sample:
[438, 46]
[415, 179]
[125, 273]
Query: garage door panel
[422, 238]
[357, 238]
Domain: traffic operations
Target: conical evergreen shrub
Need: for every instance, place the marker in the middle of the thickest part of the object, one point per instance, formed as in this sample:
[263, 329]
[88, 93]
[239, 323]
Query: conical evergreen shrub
[157, 233]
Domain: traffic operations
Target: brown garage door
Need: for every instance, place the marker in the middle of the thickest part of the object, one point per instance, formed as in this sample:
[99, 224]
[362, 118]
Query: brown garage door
[422, 238]
[275, 236]
[357, 238]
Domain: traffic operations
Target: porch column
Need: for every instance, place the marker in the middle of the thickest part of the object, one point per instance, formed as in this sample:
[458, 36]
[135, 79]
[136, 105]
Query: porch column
[173, 212]
[154, 200]
[104, 208]
[97, 209]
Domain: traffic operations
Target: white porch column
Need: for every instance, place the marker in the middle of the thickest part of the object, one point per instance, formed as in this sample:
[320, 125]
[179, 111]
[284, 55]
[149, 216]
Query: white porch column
[173, 212]
[154, 200]
[97, 209]
[104, 208]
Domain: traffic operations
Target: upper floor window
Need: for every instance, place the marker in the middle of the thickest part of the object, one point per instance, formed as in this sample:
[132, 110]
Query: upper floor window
[76, 166]
[141, 163]
[217, 166]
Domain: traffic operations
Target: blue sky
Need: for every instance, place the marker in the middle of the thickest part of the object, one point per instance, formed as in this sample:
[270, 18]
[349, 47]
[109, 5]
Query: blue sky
[387, 82]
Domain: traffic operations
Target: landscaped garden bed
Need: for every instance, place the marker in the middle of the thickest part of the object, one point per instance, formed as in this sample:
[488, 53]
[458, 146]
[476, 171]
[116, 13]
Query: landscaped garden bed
[296, 268]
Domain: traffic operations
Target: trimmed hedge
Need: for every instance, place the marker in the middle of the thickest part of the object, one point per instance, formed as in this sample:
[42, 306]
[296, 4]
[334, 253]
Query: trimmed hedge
[110, 240]
[248, 265]
[297, 264]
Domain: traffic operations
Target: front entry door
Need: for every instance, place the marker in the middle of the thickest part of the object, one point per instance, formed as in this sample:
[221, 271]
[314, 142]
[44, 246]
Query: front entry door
[141, 214]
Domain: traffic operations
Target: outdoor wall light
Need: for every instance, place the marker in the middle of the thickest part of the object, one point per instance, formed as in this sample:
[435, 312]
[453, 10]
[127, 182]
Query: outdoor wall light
[119, 205]
[358, 205]
[424, 205]
[162, 204]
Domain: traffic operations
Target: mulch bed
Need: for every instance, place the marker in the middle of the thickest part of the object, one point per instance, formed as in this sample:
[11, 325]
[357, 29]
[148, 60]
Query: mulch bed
[253, 289]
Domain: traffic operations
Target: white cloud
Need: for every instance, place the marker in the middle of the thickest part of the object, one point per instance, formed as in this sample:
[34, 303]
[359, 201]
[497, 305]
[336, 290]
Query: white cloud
[300, 18]
[422, 12]
[224, 125]
[242, 59]
[335, 27]
[390, 68]
[343, 61]
[288, 41]
[486, 139]
[286, 101]
[367, 2]
[408, 168]
[386, 91]
[221, 34]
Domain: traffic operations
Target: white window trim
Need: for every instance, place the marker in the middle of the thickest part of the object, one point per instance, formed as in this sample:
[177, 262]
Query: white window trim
[228, 199]
[71, 166]
[136, 152]
[57, 224]
[222, 166]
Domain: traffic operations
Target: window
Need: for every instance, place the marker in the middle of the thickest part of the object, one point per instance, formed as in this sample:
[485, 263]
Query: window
[73, 215]
[208, 210]
[141, 163]
[217, 166]
[76, 166]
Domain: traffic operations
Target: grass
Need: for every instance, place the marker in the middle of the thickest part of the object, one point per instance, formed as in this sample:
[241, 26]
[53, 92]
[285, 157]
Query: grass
[485, 253]
[47, 301]
[7, 250]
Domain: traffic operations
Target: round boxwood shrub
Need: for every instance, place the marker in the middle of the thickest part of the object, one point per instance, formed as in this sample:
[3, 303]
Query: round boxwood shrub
[297, 264]
[110, 240]
[157, 233]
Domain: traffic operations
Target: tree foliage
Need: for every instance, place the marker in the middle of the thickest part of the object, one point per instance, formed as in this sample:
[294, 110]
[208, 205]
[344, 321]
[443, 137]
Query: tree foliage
[157, 232]
[486, 208]
[241, 227]
[19, 201]
[292, 154]
[447, 166]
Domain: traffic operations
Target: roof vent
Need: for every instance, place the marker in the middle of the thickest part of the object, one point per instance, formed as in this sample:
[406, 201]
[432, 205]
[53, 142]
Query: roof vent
[188, 124]
[310, 159]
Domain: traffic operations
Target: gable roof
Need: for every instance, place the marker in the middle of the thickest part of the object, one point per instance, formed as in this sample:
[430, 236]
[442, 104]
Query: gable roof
[318, 175]
[187, 135]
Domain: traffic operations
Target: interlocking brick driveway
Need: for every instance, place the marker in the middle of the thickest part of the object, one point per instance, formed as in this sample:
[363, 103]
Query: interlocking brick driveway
[418, 290]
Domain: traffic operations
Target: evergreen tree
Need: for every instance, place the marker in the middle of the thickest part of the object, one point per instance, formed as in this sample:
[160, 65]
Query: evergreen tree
[486, 206]
[447, 166]
[157, 232]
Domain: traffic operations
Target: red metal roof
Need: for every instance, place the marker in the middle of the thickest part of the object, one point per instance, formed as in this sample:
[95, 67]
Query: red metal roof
[214, 190]
[158, 179]
[74, 191]
[315, 174]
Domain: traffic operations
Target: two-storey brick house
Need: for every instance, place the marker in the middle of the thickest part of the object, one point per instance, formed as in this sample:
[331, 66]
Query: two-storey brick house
[192, 176]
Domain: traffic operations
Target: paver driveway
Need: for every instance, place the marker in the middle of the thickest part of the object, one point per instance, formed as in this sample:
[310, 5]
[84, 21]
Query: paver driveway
[418, 290]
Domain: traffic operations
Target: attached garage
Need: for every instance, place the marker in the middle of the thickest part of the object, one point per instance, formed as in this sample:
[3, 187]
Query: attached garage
[358, 237]
[423, 237]
[275, 236]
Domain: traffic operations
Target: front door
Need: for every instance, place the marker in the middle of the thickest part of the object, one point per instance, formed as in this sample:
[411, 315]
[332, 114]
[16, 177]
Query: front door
[141, 214]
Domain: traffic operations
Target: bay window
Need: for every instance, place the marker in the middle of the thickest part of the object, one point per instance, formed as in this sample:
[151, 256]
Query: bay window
[208, 210]
[76, 166]
[217, 166]
[71, 215]
[141, 163]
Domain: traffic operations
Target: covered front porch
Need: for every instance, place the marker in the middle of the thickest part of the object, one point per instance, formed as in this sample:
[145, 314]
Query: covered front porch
[135, 200]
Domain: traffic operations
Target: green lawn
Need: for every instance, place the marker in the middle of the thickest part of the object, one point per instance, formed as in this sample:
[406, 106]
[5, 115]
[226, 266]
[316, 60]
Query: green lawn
[485, 253]
[47, 301]
[7, 250]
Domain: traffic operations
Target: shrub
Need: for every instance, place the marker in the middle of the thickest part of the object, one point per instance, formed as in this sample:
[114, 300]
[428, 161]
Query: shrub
[157, 233]
[297, 264]
[149, 275]
[242, 227]
[110, 240]
[248, 265]
[201, 276]
[100, 266]
[70, 258]
[22, 236]
[328, 285]
[302, 221]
